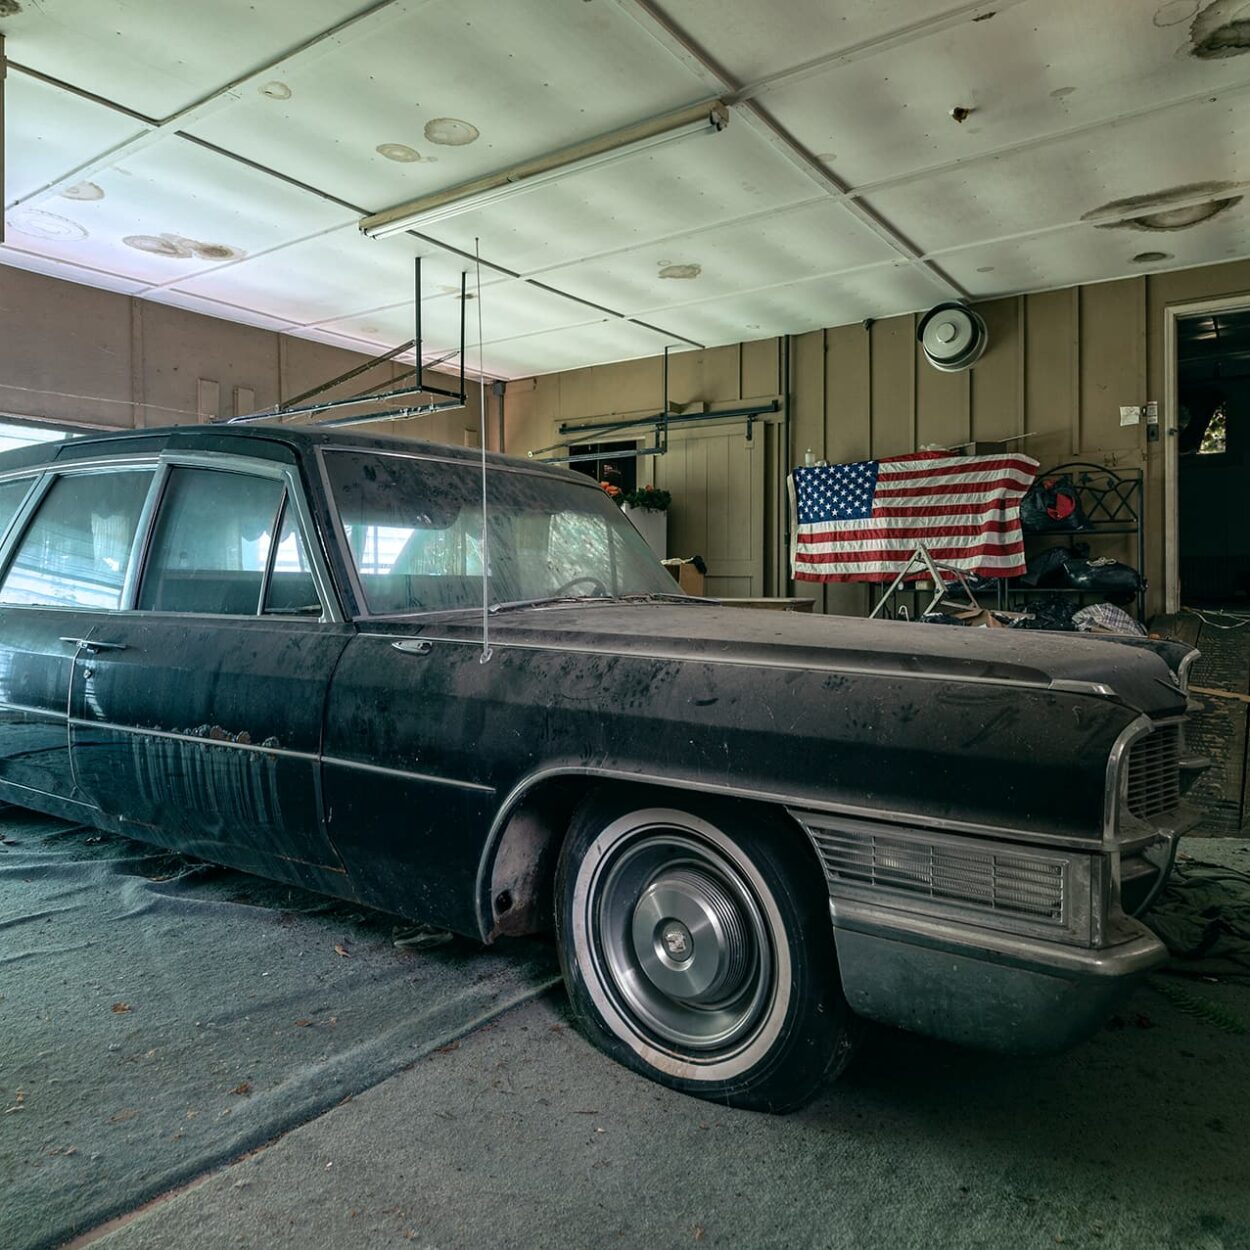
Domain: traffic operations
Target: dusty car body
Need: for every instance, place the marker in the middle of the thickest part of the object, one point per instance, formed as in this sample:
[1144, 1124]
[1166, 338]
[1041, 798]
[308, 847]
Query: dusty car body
[265, 647]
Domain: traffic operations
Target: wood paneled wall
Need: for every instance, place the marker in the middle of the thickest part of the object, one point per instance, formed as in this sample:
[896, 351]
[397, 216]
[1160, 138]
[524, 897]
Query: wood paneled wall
[75, 354]
[1059, 366]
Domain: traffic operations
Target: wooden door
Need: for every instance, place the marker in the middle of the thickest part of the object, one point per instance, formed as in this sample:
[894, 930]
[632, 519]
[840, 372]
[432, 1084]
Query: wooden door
[716, 477]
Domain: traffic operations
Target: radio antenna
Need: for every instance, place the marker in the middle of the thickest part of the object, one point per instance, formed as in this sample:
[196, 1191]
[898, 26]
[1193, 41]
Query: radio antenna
[481, 410]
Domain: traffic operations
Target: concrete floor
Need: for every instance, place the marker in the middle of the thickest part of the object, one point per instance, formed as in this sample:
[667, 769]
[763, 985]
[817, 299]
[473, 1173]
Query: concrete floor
[523, 1135]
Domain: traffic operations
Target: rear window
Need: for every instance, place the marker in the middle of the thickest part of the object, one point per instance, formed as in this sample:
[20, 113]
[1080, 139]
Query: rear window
[211, 547]
[76, 551]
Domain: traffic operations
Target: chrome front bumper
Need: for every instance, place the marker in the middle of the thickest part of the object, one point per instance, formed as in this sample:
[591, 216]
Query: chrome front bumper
[971, 985]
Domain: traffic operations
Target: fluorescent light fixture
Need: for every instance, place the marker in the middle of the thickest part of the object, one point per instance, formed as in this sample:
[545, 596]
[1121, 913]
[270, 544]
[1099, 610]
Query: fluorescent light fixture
[709, 117]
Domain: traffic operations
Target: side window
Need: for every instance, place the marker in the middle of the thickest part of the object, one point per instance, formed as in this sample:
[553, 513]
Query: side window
[211, 544]
[76, 550]
[11, 496]
[291, 590]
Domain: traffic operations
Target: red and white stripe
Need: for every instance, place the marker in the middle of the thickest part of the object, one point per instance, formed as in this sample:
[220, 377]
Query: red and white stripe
[964, 509]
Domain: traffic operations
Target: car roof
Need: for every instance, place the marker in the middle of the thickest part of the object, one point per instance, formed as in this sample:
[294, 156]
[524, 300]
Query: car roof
[263, 440]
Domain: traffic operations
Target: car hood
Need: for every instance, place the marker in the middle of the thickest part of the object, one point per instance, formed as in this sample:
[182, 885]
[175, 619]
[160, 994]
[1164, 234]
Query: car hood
[1138, 672]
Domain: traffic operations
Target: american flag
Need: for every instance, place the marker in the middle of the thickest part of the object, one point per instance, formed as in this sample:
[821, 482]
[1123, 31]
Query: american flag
[860, 522]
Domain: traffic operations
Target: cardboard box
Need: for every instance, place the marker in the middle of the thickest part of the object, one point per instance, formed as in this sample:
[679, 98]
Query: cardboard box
[687, 577]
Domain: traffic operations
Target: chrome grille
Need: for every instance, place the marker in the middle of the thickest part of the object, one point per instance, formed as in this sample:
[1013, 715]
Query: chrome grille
[1154, 773]
[988, 880]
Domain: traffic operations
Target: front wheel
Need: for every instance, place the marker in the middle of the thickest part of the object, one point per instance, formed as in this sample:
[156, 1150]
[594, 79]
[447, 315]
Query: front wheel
[697, 950]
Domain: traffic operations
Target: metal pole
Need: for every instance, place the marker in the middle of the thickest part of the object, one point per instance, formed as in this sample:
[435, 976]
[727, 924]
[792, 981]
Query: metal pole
[463, 294]
[417, 318]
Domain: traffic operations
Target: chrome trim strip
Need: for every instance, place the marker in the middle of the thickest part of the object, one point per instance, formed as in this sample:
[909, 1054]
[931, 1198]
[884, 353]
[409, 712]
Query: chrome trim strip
[810, 666]
[21, 506]
[17, 785]
[1099, 688]
[1138, 954]
[18, 525]
[47, 713]
[339, 762]
[76, 722]
[875, 815]
[140, 547]
[1182, 669]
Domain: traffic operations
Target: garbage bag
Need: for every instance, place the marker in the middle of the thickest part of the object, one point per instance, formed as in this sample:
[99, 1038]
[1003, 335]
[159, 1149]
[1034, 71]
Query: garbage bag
[1048, 612]
[1048, 568]
[1053, 505]
[1103, 574]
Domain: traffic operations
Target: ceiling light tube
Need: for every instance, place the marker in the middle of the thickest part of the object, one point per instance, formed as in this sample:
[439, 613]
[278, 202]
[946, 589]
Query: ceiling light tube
[709, 117]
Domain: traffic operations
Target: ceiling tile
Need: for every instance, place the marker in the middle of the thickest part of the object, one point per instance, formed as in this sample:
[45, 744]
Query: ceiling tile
[48, 132]
[1027, 72]
[184, 210]
[1082, 254]
[1056, 184]
[557, 350]
[157, 57]
[720, 261]
[754, 38]
[828, 300]
[701, 180]
[332, 275]
[506, 308]
[529, 76]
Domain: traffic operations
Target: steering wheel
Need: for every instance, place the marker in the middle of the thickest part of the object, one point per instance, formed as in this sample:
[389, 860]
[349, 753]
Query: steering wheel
[597, 587]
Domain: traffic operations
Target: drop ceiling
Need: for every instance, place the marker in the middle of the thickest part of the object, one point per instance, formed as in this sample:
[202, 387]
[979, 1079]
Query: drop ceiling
[219, 158]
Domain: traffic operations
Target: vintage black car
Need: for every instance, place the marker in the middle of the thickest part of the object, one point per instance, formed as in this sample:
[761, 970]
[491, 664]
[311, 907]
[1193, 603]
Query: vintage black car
[269, 648]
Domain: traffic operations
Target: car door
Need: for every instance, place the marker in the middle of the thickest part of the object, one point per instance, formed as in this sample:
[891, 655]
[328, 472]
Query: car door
[70, 554]
[196, 718]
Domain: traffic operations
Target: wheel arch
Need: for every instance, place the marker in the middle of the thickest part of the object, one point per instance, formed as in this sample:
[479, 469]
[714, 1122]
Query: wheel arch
[516, 874]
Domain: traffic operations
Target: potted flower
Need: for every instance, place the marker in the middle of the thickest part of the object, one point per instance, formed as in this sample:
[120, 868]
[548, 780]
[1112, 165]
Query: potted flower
[648, 508]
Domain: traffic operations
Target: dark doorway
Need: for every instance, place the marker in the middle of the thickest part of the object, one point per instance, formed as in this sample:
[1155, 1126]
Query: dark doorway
[609, 464]
[1213, 372]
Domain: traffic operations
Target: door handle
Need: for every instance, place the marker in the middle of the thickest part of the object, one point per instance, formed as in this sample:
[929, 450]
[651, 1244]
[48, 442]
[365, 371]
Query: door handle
[413, 646]
[93, 644]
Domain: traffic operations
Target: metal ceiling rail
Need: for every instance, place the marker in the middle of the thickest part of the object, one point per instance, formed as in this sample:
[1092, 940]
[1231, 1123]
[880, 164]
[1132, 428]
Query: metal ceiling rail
[661, 423]
[456, 399]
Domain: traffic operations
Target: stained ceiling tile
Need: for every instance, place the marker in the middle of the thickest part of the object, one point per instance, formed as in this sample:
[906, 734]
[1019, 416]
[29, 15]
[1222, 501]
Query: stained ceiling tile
[334, 274]
[719, 261]
[446, 80]
[702, 180]
[1048, 186]
[826, 300]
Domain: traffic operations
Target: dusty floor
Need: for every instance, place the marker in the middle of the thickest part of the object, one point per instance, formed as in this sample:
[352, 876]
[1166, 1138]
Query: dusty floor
[520, 1134]
[524, 1136]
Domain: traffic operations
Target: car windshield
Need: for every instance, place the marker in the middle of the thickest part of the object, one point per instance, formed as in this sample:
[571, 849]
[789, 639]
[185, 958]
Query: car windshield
[414, 529]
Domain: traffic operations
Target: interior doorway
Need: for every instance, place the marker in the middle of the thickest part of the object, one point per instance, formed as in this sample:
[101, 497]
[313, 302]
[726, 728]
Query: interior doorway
[1213, 458]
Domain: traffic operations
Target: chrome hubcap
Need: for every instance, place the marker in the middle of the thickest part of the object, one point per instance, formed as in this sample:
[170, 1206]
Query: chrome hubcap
[681, 943]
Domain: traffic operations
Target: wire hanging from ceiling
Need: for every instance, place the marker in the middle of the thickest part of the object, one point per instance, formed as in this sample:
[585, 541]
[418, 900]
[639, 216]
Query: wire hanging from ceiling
[481, 412]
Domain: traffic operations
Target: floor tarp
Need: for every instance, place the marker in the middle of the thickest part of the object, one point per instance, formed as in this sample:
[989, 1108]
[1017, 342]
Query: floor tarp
[159, 1017]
